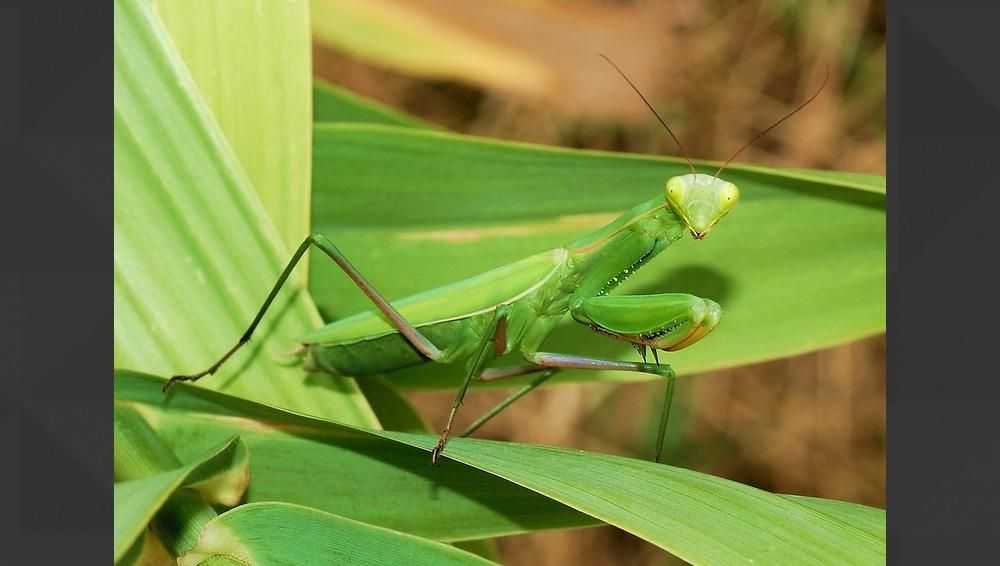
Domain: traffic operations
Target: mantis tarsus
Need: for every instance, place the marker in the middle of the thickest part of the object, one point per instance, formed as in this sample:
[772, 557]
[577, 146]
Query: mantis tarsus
[512, 309]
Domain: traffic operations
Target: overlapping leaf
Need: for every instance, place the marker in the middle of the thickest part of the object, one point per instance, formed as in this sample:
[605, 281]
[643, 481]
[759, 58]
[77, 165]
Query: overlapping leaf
[700, 518]
[195, 252]
[138, 500]
[332, 103]
[362, 477]
[253, 69]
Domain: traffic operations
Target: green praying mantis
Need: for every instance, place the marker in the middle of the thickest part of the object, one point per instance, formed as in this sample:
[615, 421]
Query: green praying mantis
[510, 310]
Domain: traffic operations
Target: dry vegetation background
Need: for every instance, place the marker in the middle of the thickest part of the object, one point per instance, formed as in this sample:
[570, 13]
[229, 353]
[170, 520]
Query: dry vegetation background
[719, 71]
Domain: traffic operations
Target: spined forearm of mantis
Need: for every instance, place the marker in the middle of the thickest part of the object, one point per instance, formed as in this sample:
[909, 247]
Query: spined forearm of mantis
[509, 311]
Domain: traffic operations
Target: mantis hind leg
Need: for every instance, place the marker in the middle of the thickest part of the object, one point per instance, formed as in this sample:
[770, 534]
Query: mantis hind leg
[407, 330]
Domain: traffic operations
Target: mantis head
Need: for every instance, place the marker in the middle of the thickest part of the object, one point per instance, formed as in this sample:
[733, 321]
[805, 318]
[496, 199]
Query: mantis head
[701, 201]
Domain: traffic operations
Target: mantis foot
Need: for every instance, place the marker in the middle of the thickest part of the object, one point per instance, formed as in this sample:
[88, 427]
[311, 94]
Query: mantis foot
[179, 378]
[210, 371]
[438, 449]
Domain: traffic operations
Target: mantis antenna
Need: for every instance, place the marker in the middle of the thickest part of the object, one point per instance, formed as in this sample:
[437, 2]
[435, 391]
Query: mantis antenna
[651, 109]
[775, 125]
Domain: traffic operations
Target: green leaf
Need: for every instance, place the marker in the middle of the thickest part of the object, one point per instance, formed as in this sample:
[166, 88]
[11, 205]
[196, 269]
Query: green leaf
[253, 68]
[195, 252]
[868, 519]
[360, 476]
[861, 181]
[798, 265]
[486, 548]
[140, 453]
[332, 103]
[411, 40]
[137, 501]
[281, 533]
[700, 518]
[393, 410]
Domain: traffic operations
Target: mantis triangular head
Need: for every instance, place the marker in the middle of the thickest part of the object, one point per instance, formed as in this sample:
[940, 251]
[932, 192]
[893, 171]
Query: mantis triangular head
[701, 201]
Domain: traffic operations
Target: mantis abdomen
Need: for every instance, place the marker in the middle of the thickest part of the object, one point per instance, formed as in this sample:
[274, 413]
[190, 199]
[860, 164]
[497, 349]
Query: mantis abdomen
[454, 318]
[389, 352]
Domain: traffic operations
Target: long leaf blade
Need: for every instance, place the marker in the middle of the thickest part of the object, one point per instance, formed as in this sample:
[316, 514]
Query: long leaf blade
[866, 518]
[332, 103]
[701, 518]
[263, 108]
[365, 478]
[195, 252]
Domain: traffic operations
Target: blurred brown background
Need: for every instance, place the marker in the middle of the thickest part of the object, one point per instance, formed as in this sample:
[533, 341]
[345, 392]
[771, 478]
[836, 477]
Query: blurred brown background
[719, 72]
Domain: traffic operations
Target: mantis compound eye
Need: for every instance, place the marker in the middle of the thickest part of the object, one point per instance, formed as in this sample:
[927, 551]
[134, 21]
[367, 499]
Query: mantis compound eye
[675, 191]
[728, 196]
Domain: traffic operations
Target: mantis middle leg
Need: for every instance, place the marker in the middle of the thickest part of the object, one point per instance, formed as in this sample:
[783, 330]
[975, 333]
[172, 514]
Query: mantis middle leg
[489, 345]
[549, 363]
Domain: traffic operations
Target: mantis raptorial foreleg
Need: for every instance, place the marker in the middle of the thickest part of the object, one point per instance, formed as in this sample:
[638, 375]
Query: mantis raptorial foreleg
[418, 340]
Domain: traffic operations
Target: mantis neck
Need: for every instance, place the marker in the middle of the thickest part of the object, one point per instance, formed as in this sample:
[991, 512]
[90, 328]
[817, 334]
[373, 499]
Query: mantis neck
[605, 258]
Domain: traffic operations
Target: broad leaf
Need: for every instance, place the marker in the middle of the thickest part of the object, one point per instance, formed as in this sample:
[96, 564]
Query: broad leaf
[700, 518]
[392, 408]
[195, 252]
[253, 68]
[868, 519]
[362, 477]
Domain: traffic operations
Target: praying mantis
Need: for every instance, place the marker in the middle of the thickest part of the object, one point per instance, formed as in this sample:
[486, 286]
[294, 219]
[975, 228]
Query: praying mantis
[511, 310]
